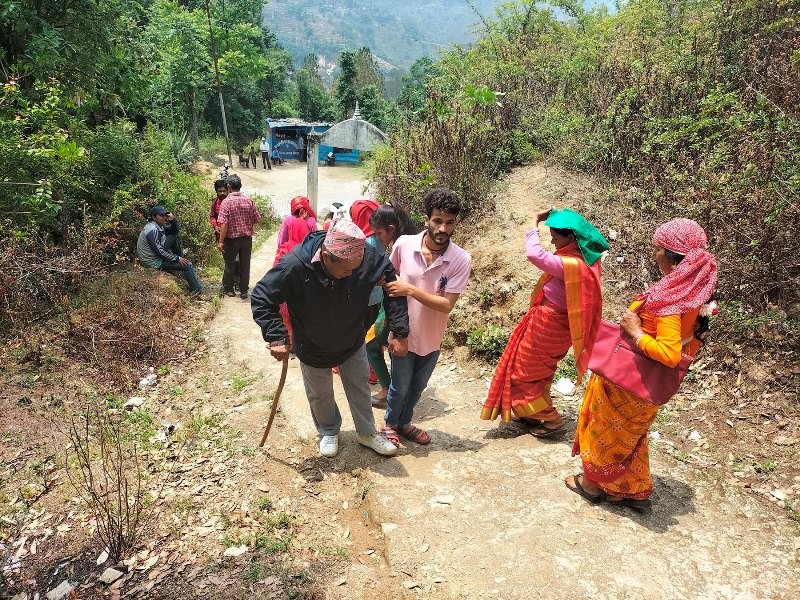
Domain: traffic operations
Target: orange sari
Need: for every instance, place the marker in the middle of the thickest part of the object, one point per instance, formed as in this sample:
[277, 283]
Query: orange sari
[611, 435]
[524, 374]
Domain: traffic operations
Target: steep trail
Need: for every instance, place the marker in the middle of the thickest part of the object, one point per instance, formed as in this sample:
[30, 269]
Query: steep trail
[482, 512]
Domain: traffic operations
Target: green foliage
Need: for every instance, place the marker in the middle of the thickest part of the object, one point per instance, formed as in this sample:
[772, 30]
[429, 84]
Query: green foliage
[488, 342]
[345, 90]
[240, 381]
[314, 102]
[692, 104]
[566, 368]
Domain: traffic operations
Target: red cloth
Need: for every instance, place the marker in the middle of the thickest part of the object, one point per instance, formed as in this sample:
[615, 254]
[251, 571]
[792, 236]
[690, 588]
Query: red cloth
[691, 283]
[240, 214]
[299, 202]
[360, 212]
[524, 374]
[297, 229]
[216, 204]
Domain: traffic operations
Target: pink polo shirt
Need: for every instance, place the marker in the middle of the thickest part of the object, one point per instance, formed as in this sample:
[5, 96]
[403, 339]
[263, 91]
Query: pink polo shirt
[448, 273]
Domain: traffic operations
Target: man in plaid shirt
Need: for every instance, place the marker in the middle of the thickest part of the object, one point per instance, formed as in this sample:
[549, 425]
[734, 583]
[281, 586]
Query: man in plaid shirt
[237, 216]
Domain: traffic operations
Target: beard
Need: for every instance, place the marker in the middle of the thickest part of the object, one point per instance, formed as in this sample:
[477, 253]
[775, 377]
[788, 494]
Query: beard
[440, 239]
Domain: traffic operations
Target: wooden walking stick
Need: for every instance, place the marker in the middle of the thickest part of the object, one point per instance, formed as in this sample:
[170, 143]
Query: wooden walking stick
[275, 400]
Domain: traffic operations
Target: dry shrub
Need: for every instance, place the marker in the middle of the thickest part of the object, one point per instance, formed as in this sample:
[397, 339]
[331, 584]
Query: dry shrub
[105, 467]
[120, 320]
[36, 276]
[445, 149]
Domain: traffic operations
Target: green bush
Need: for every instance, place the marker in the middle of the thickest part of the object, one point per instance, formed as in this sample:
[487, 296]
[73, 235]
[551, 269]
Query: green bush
[488, 342]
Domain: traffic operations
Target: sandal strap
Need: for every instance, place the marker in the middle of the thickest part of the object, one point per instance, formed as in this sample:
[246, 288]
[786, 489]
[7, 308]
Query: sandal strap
[415, 434]
[390, 434]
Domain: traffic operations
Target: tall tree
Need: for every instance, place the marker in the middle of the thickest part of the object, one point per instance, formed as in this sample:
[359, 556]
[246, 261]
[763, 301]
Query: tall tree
[314, 102]
[345, 91]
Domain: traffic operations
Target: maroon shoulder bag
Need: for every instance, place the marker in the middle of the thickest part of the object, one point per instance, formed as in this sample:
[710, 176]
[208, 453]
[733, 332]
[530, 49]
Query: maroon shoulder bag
[617, 359]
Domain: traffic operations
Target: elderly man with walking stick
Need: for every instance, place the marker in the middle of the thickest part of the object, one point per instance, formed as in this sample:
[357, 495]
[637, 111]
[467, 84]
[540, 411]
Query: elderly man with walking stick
[326, 283]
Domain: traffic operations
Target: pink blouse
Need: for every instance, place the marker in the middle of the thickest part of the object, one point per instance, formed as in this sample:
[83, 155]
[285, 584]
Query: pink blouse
[554, 290]
[283, 232]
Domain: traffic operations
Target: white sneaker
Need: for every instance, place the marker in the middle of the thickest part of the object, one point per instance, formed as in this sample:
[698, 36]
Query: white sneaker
[378, 443]
[329, 446]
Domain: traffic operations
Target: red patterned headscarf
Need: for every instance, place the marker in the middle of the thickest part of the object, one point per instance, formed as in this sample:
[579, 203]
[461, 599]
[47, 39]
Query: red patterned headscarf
[299, 202]
[691, 283]
[360, 212]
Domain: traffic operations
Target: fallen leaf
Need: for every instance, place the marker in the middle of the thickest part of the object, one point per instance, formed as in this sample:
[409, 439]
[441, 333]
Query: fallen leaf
[63, 590]
[110, 575]
[779, 494]
[148, 563]
[235, 550]
[102, 558]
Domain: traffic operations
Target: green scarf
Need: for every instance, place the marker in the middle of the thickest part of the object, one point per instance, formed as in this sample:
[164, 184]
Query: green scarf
[590, 241]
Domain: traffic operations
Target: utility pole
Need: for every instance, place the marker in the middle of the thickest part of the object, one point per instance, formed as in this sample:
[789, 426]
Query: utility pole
[219, 83]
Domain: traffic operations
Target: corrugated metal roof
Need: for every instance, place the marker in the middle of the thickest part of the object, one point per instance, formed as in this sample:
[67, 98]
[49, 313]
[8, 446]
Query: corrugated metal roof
[294, 123]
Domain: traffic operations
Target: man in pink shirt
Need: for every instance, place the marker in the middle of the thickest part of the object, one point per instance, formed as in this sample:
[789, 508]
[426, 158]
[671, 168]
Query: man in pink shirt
[433, 271]
[237, 217]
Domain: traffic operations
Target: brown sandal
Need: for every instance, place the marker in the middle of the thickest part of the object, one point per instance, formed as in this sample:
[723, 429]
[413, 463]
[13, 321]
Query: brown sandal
[415, 434]
[578, 488]
[543, 431]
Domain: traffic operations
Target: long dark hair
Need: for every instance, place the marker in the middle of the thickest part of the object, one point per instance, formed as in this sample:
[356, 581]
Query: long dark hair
[388, 214]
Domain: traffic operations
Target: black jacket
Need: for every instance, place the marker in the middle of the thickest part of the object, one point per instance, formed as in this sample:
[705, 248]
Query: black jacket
[327, 314]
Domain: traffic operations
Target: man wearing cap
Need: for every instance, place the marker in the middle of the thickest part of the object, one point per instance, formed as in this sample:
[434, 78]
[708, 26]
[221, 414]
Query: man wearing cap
[152, 254]
[326, 282]
[237, 217]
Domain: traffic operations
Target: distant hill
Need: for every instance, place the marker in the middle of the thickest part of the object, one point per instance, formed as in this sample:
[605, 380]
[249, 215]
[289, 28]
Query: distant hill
[398, 33]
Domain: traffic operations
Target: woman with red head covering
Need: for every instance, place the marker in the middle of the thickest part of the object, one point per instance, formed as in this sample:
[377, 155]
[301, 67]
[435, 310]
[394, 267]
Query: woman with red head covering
[300, 208]
[665, 321]
[294, 229]
[360, 212]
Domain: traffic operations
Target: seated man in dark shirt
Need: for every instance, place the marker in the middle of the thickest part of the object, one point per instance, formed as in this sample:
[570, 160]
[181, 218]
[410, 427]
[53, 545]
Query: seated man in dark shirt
[153, 255]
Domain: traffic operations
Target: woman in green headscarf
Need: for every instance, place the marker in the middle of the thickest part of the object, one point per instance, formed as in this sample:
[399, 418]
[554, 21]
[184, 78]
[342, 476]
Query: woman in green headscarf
[565, 310]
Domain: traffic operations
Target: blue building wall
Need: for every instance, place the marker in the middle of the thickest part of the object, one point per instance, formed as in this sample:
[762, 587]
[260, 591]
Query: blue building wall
[287, 136]
[344, 155]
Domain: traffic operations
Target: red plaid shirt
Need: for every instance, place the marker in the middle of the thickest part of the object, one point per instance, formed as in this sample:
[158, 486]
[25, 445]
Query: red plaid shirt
[240, 213]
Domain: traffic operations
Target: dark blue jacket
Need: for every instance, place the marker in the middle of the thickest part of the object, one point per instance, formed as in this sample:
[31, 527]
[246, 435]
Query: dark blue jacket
[327, 314]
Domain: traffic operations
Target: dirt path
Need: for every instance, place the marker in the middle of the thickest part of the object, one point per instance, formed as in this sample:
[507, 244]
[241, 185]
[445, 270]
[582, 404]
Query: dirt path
[483, 512]
[338, 184]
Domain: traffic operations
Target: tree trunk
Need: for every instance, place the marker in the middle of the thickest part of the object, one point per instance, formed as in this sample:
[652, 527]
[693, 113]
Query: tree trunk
[193, 126]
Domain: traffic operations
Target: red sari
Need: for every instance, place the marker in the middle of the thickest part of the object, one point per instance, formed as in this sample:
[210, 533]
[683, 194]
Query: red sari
[524, 374]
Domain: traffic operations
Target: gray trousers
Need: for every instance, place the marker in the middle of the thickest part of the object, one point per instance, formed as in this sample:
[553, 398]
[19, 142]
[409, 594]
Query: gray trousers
[355, 379]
